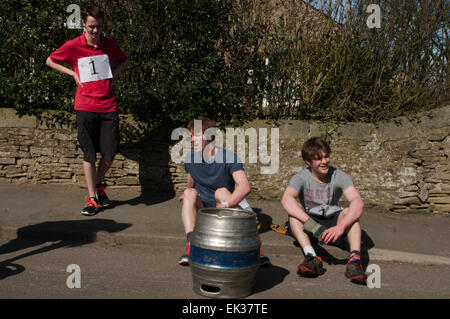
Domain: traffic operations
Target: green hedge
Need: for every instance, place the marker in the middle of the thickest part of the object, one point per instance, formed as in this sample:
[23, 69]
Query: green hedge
[193, 58]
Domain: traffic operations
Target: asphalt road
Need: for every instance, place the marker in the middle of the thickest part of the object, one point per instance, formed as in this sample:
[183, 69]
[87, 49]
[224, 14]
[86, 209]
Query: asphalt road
[38, 269]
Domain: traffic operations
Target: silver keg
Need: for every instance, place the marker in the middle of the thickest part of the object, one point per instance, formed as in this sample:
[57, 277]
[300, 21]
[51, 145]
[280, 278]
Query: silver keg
[224, 253]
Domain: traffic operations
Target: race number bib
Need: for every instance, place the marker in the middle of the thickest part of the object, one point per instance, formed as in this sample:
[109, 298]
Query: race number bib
[94, 68]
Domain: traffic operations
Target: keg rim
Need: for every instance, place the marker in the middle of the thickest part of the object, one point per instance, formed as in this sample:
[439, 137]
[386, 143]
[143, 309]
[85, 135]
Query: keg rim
[236, 212]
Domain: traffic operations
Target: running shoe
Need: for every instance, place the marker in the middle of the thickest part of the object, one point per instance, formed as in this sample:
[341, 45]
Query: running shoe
[91, 207]
[354, 271]
[102, 199]
[312, 266]
[184, 259]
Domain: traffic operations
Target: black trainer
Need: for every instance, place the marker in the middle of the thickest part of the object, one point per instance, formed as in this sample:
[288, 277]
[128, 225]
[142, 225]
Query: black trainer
[91, 207]
[312, 266]
[102, 199]
[355, 272]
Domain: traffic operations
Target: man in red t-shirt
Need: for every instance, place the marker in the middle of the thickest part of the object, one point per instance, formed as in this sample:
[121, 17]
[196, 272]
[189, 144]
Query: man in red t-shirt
[96, 61]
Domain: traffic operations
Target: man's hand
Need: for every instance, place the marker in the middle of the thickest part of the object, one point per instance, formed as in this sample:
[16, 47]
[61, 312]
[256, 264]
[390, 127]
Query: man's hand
[222, 204]
[77, 79]
[332, 234]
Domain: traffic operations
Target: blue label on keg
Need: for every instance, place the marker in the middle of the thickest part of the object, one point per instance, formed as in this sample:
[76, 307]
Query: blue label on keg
[224, 259]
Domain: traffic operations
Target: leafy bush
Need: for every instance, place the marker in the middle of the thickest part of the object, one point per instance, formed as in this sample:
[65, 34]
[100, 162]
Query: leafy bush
[235, 60]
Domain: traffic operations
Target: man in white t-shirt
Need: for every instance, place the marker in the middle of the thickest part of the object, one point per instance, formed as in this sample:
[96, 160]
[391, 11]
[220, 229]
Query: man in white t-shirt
[318, 189]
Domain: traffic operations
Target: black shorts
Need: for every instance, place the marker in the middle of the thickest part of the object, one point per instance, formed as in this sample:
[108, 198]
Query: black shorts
[98, 133]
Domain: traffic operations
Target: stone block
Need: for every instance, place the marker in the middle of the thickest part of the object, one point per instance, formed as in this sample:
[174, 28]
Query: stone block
[8, 160]
[10, 118]
[408, 201]
[445, 208]
[439, 200]
[63, 175]
[37, 151]
[127, 180]
[394, 130]
[356, 131]
[293, 130]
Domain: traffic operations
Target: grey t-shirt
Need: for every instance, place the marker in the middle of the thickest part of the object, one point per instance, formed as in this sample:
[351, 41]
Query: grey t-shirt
[320, 199]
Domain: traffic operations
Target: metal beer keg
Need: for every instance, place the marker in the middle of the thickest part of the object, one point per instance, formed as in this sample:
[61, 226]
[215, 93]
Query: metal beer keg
[224, 253]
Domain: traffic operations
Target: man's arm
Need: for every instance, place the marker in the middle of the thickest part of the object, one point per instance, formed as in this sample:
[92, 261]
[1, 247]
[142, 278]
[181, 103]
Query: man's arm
[119, 68]
[355, 210]
[64, 70]
[292, 207]
[190, 181]
[241, 189]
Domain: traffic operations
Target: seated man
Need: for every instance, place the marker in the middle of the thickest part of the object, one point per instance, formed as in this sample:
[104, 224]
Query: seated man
[216, 178]
[319, 188]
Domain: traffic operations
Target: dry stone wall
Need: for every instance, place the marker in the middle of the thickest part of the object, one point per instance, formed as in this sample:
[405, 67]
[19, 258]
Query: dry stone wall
[402, 164]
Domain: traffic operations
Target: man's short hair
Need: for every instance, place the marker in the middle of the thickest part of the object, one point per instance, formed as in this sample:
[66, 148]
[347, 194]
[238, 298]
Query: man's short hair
[313, 148]
[93, 11]
[206, 124]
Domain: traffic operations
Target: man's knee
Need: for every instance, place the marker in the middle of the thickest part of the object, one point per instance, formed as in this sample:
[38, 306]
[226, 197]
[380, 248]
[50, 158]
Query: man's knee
[190, 194]
[355, 225]
[221, 194]
[344, 213]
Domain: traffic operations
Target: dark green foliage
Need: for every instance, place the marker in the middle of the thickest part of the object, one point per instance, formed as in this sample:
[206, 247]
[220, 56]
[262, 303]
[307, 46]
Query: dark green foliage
[192, 58]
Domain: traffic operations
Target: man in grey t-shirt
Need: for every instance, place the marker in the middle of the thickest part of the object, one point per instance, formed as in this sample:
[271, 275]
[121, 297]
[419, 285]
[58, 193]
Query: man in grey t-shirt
[318, 189]
[321, 198]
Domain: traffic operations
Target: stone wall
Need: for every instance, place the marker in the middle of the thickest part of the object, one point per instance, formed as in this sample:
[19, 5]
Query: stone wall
[401, 164]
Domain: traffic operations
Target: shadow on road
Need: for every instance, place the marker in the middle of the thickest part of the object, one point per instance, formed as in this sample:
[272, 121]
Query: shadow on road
[70, 233]
[268, 277]
[149, 151]
[147, 197]
[264, 219]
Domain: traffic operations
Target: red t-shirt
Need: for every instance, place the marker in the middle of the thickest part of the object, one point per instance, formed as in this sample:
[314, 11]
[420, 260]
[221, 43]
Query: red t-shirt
[93, 65]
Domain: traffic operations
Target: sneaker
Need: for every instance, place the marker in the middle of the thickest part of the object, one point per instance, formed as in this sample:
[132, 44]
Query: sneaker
[263, 260]
[312, 266]
[91, 207]
[102, 199]
[354, 271]
[184, 259]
